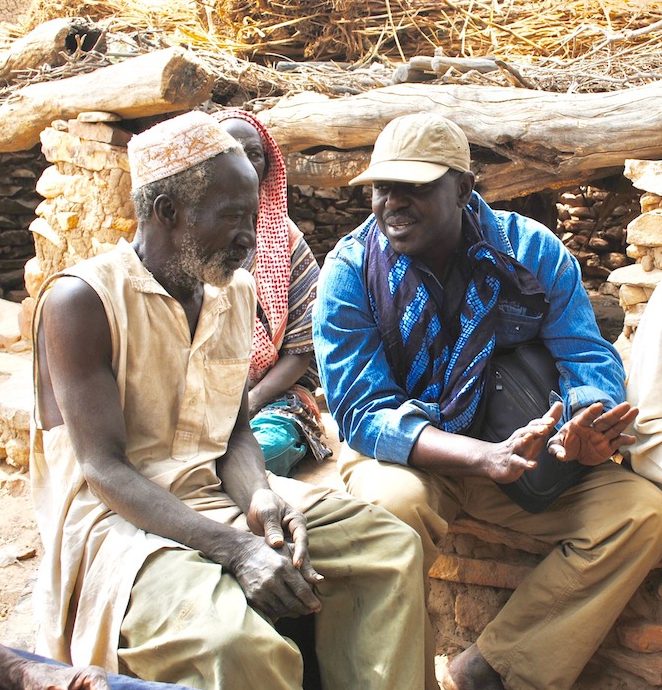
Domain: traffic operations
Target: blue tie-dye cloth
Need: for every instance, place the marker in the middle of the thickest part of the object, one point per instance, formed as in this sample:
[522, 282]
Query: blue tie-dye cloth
[431, 361]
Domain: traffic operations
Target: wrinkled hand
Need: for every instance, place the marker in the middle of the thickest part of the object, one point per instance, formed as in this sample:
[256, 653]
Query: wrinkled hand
[270, 581]
[509, 459]
[592, 436]
[275, 572]
[38, 676]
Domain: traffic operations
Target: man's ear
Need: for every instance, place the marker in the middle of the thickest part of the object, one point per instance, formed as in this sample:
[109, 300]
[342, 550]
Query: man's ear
[165, 210]
[465, 185]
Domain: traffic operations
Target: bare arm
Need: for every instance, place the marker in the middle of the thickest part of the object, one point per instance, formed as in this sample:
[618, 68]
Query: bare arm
[454, 454]
[78, 349]
[284, 374]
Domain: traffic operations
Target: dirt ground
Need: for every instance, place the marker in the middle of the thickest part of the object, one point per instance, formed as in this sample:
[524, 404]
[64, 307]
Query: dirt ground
[20, 553]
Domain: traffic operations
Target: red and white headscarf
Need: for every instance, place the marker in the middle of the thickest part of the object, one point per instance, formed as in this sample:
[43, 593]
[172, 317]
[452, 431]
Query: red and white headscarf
[275, 236]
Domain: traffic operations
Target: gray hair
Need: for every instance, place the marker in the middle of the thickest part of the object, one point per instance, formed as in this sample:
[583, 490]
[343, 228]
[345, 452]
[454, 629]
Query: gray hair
[187, 187]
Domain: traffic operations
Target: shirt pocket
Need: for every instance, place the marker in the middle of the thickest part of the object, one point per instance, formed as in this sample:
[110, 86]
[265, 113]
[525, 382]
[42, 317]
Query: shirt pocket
[516, 324]
[224, 382]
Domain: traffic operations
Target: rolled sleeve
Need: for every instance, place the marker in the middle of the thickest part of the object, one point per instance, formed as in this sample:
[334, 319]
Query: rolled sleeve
[590, 368]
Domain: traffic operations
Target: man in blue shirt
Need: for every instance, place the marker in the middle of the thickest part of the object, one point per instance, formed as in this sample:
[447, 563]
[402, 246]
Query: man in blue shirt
[410, 308]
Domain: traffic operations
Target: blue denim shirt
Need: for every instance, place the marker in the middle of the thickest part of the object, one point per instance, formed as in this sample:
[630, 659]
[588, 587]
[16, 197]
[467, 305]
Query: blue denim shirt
[374, 414]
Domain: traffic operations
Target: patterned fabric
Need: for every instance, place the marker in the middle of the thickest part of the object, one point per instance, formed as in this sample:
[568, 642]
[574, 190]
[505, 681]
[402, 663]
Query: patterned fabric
[175, 145]
[286, 273]
[428, 361]
[275, 235]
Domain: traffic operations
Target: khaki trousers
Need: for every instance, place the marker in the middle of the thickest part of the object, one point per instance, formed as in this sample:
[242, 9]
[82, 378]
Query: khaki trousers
[188, 622]
[607, 533]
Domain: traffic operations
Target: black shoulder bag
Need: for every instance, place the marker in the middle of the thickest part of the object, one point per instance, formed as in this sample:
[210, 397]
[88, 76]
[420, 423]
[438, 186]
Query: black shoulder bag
[517, 390]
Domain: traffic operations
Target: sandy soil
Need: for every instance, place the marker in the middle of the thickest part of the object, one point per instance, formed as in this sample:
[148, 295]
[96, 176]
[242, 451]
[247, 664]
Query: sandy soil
[20, 553]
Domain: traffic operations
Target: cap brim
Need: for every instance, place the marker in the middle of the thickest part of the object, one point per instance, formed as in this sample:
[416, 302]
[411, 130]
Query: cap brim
[411, 172]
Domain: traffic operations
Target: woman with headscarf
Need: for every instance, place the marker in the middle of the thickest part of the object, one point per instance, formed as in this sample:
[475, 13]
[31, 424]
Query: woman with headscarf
[285, 417]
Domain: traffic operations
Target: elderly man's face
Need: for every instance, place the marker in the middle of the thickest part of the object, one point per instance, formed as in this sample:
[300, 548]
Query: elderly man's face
[218, 234]
[421, 220]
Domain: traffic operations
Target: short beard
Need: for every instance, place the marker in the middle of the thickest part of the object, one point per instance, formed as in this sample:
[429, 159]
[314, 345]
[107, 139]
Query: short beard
[189, 266]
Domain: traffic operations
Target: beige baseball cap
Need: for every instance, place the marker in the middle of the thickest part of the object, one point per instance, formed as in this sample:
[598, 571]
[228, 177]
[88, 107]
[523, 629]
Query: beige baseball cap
[416, 149]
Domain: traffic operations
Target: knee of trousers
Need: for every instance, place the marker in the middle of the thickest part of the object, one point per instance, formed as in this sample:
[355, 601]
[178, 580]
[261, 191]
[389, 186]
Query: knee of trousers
[635, 525]
[401, 491]
[240, 646]
[647, 520]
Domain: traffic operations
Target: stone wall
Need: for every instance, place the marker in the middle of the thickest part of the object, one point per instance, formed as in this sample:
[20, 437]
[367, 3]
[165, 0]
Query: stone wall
[591, 223]
[479, 567]
[635, 283]
[87, 205]
[19, 173]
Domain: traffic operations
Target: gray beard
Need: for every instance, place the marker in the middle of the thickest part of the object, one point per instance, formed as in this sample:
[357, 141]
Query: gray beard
[189, 266]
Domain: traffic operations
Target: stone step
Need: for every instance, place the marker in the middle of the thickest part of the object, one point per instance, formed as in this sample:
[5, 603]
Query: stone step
[16, 401]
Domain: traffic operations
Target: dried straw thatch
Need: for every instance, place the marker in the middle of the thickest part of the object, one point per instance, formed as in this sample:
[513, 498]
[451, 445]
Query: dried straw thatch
[353, 30]
[580, 45]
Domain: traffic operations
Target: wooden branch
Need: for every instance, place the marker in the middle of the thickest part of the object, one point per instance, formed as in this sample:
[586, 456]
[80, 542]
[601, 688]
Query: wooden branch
[48, 44]
[550, 139]
[159, 82]
[326, 168]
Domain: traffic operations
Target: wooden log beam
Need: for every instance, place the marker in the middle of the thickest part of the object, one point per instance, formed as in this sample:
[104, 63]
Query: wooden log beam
[546, 139]
[159, 82]
[494, 181]
[49, 44]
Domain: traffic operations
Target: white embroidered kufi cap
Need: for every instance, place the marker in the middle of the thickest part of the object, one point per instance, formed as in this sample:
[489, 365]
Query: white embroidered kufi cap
[175, 145]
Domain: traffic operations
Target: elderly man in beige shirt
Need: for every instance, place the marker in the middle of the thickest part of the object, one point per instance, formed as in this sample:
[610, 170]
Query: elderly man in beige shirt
[169, 551]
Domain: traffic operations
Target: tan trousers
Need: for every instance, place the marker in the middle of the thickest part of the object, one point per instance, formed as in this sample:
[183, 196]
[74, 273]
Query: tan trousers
[608, 535]
[189, 623]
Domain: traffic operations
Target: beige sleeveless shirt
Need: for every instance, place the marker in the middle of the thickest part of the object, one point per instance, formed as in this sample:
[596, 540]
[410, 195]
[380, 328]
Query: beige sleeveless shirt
[180, 400]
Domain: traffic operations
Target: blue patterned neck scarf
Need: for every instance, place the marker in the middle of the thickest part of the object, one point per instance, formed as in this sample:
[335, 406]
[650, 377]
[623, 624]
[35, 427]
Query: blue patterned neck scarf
[431, 361]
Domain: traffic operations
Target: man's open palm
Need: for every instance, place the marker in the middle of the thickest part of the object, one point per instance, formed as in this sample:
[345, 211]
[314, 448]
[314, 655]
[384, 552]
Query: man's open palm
[592, 436]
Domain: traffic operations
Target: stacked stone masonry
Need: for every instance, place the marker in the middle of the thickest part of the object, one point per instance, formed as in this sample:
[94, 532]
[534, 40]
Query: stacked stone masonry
[19, 173]
[636, 282]
[591, 224]
[481, 564]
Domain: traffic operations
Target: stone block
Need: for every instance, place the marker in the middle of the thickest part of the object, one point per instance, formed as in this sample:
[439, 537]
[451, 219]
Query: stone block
[646, 175]
[40, 227]
[635, 275]
[478, 572]
[646, 666]
[657, 257]
[473, 612]
[33, 276]
[52, 183]
[641, 637]
[635, 252]
[633, 315]
[9, 327]
[647, 263]
[90, 155]
[99, 131]
[16, 401]
[25, 318]
[632, 294]
[67, 220]
[649, 202]
[646, 229]
[98, 116]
